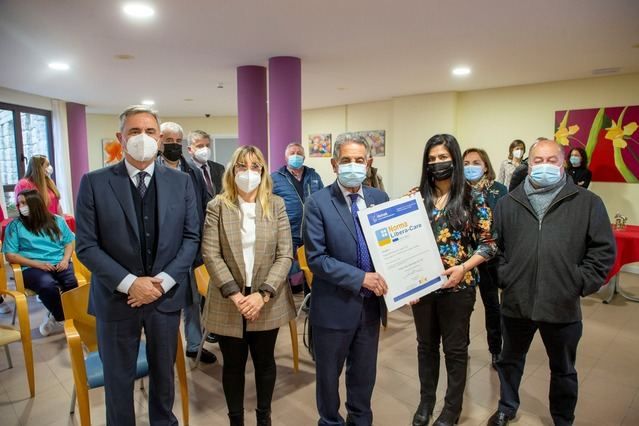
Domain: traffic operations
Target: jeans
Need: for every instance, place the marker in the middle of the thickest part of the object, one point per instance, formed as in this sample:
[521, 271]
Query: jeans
[48, 285]
[490, 298]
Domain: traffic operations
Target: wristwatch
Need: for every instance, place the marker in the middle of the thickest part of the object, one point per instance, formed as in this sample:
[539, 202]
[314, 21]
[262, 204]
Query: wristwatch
[266, 296]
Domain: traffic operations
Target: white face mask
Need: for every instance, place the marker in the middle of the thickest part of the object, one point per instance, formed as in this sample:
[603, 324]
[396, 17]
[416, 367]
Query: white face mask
[518, 153]
[142, 147]
[49, 170]
[24, 210]
[202, 154]
[248, 180]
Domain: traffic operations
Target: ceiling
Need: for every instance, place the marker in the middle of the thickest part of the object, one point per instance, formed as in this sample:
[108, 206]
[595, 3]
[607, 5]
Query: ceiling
[352, 50]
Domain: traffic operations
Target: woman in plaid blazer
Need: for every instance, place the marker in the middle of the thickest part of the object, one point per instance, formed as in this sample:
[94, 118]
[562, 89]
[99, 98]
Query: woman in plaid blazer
[246, 246]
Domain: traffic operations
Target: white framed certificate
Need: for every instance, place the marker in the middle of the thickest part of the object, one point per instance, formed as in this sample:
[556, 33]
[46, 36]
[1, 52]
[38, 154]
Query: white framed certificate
[403, 249]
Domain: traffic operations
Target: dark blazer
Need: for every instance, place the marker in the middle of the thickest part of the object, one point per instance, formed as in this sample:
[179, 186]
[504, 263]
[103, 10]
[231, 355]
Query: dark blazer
[108, 243]
[217, 172]
[331, 252]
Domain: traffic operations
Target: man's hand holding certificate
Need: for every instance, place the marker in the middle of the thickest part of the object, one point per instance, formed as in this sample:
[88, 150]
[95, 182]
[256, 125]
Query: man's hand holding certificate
[403, 249]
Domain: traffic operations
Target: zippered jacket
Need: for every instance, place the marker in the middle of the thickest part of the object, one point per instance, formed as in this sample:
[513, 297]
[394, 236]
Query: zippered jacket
[545, 266]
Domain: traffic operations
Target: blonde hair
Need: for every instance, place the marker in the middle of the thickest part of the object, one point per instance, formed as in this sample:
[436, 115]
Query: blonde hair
[264, 190]
[35, 173]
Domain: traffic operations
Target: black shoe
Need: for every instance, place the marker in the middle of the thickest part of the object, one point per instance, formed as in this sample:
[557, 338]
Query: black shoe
[236, 419]
[206, 356]
[422, 415]
[211, 338]
[494, 358]
[499, 419]
[446, 419]
[263, 417]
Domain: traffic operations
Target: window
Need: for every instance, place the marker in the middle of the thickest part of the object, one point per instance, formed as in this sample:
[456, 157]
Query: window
[24, 132]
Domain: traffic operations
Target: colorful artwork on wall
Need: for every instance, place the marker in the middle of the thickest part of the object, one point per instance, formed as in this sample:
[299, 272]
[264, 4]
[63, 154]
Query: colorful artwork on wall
[320, 145]
[111, 151]
[609, 136]
[377, 141]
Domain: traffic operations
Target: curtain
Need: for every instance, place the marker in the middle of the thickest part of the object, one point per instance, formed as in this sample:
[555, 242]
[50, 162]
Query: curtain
[61, 149]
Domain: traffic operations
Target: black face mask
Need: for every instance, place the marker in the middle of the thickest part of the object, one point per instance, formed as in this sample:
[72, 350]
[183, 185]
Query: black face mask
[172, 151]
[441, 171]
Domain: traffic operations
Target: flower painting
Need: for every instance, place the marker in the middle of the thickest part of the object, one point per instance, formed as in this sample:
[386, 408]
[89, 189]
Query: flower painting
[319, 145]
[111, 151]
[609, 136]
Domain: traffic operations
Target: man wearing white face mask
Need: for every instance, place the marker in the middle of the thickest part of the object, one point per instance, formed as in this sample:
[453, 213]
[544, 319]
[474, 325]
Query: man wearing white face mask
[556, 244]
[138, 233]
[200, 150]
[346, 306]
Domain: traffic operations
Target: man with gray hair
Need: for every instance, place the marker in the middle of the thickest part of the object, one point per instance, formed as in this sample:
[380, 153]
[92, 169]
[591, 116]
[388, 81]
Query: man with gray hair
[200, 150]
[295, 182]
[555, 246]
[347, 303]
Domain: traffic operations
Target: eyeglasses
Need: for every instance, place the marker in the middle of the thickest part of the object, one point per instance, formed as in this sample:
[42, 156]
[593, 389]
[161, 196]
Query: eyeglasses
[255, 167]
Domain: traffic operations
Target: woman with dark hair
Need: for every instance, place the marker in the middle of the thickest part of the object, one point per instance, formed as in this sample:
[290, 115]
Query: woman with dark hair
[516, 152]
[42, 243]
[461, 222]
[577, 167]
[38, 177]
[481, 176]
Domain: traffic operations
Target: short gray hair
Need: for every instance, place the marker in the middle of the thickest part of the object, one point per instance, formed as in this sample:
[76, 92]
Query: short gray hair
[560, 147]
[137, 109]
[292, 144]
[346, 138]
[198, 134]
[171, 127]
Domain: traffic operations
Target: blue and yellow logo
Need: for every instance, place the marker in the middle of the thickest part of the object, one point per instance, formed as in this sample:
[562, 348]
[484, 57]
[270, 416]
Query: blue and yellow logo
[383, 237]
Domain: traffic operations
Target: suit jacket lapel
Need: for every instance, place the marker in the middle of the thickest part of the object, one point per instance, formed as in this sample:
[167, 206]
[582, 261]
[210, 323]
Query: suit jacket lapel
[232, 229]
[260, 238]
[121, 186]
[162, 193]
[342, 208]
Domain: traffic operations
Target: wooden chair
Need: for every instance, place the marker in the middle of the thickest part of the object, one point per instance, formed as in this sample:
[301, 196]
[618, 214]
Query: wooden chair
[79, 328]
[202, 279]
[308, 275]
[10, 334]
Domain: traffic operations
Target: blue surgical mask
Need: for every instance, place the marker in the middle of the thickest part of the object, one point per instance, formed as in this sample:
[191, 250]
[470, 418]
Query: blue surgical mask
[295, 161]
[575, 160]
[473, 173]
[545, 174]
[351, 175]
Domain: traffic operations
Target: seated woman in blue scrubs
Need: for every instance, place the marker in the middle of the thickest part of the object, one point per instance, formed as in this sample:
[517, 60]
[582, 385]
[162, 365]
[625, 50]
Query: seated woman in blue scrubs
[42, 244]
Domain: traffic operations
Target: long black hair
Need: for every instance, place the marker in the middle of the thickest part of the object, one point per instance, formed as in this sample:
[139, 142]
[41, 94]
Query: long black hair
[458, 206]
[584, 158]
[40, 221]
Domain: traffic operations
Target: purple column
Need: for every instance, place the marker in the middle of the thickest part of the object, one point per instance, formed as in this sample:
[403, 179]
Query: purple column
[78, 144]
[285, 105]
[252, 115]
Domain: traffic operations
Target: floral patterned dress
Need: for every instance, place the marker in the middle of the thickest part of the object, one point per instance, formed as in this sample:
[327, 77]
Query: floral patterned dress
[458, 245]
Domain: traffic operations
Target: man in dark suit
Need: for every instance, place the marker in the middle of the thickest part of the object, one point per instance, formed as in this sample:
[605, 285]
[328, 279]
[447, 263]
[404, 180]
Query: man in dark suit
[138, 233]
[200, 150]
[346, 306]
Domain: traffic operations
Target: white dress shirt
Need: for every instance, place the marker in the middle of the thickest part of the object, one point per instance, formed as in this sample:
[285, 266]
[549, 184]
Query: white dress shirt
[247, 229]
[361, 202]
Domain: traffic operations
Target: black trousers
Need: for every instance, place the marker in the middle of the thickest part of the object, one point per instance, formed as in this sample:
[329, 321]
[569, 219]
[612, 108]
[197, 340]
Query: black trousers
[48, 285]
[443, 317]
[261, 345]
[561, 342]
[490, 298]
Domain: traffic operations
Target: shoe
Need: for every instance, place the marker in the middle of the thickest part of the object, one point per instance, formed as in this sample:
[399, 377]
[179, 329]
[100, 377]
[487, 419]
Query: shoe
[446, 419]
[263, 417]
[206, 357]
[422, 415]
[4, 308]
[50, 326]
[494, 358]
[236, 419]
[499, 419]
[211, 338]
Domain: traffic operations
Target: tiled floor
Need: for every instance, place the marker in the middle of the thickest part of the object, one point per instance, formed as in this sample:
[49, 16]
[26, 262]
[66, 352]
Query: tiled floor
[607, 365]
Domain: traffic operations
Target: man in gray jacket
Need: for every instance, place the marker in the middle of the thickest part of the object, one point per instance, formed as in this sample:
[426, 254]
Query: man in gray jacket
[556, 245]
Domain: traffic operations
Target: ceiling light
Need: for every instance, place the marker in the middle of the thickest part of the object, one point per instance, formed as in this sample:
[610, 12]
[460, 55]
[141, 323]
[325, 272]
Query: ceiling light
[461, 71]
[138, 10]
[59, 66]
[148, 102]
[604, 71]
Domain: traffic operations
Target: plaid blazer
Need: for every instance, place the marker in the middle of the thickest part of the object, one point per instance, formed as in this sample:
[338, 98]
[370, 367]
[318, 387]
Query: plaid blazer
[222, 254]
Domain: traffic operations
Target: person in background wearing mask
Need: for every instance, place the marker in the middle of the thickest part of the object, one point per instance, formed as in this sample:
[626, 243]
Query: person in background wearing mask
[480, 174]
[42, 244]
[138, 233]
[347, 303]
[461, 222]
[577, 167]
[555, 245]
[171, 141]
[516, 152]
[246, 247]
[38, 177]
[212, 172]
[295, 182]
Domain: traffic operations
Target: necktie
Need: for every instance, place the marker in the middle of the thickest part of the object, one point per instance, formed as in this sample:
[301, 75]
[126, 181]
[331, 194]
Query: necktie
[207, 178]
[141, 184]
[364, 261]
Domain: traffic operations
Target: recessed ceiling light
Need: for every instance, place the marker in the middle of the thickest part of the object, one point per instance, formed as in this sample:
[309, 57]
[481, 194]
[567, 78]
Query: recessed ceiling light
[148, 102]
[188, 99]
[461, 71]
[124, 57]
[59, 66]
[138, 10]
[604, 71]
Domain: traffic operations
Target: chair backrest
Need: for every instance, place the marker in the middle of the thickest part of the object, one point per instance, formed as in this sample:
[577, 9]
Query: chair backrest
[3, 271]
[75, 306]
[79, 268]
[301, 258]
[202, 279]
